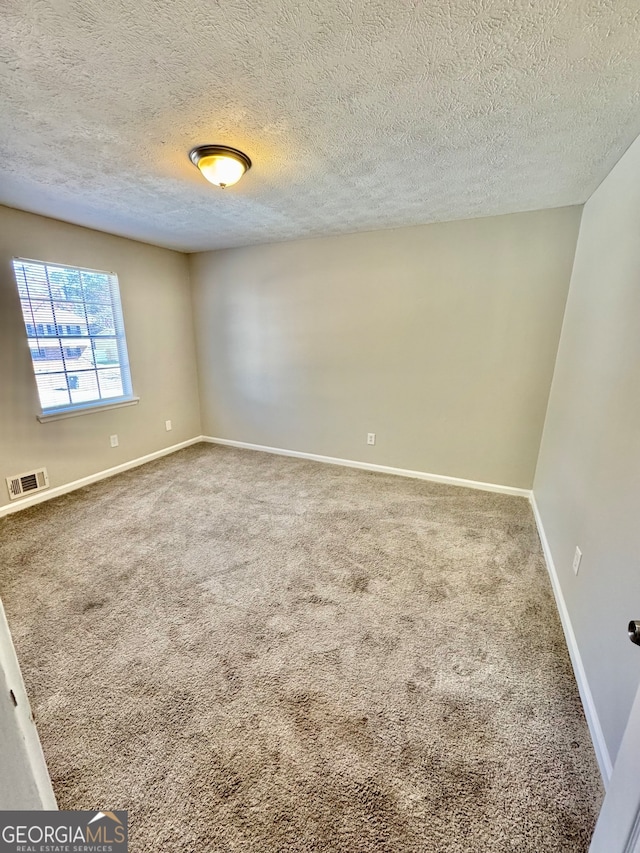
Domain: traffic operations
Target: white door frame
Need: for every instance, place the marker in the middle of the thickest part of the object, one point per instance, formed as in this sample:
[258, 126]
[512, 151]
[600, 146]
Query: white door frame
[26, 783]
[618, 826]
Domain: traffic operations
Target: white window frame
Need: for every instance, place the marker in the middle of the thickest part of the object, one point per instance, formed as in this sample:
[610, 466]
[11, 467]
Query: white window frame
[127, 398]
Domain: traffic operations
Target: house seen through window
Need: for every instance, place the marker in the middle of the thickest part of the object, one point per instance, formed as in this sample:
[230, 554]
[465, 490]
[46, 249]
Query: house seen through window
[73, 320]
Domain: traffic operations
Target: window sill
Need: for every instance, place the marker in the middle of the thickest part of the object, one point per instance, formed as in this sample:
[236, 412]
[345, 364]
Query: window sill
[76, 411]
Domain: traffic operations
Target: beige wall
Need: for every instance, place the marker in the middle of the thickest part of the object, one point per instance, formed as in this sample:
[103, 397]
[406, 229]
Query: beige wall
[154, 287]
[587, 483]
[441, 339]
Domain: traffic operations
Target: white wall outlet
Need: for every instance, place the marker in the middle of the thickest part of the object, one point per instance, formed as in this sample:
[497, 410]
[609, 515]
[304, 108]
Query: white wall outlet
[576, 560]
[167, 426]
[371, 438]
[114, 440]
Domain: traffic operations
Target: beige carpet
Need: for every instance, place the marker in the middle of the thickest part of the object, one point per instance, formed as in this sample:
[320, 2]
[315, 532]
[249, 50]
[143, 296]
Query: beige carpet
[256, 654]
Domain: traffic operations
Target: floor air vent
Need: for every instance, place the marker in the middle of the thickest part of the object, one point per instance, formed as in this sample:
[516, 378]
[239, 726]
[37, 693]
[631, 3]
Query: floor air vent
[24, 484]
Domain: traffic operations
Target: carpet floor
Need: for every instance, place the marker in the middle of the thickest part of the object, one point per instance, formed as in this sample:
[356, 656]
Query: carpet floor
[262, 654]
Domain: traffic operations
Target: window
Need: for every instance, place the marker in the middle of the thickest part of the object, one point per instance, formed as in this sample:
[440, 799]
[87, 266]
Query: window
[74, 325]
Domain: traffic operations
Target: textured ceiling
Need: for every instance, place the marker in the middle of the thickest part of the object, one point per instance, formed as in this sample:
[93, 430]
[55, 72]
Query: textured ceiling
[357, 114]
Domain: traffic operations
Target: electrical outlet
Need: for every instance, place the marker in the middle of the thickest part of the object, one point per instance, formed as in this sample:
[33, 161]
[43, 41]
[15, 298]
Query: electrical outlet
[371, 438]
[576, 560]
[167, 426]
[114, 440]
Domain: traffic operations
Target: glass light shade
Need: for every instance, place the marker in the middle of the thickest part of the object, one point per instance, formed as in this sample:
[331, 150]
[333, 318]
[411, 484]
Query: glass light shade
[220, 165]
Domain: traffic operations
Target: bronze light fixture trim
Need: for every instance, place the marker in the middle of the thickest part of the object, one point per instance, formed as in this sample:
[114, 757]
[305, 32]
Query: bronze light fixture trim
[220, 165]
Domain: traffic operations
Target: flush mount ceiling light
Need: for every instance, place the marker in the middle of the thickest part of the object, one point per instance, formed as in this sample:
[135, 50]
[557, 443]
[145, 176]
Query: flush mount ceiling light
[220, 165]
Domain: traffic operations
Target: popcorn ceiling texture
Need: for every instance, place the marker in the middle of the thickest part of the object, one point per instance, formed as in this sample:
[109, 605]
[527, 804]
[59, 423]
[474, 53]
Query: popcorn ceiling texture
[357, 115]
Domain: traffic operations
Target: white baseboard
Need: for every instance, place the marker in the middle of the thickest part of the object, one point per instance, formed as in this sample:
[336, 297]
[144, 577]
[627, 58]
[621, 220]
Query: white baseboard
[370, 466]
[23, 503]
[593, 721]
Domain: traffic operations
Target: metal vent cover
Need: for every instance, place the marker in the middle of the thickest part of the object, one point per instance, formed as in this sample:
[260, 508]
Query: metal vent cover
[23, 484]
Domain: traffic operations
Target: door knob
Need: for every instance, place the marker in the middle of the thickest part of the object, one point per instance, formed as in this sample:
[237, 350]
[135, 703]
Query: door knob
[634, 631]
